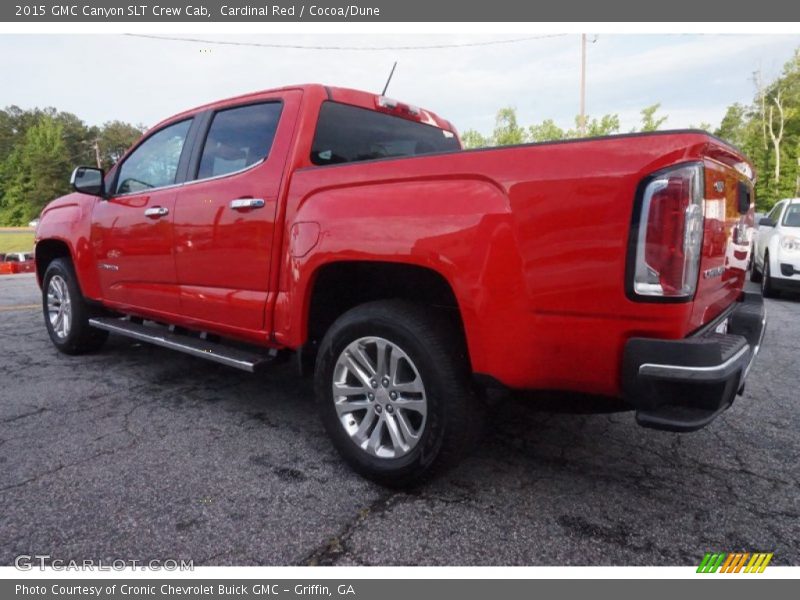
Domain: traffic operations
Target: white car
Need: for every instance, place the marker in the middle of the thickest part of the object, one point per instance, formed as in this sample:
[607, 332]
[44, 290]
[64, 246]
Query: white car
[776, 263]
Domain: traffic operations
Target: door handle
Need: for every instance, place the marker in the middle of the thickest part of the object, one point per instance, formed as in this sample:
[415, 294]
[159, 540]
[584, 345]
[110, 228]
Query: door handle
[240, 203]
[156, 211]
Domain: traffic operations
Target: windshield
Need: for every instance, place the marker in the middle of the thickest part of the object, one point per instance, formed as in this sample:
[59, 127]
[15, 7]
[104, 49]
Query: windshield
[791, 218]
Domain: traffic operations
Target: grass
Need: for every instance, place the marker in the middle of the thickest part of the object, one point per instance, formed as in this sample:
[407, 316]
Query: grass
[16, 239]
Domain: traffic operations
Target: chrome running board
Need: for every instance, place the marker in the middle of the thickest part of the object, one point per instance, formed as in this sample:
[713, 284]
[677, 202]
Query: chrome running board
[238, 358]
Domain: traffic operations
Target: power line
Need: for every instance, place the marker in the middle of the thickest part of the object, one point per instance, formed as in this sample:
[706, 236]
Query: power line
[348, 48]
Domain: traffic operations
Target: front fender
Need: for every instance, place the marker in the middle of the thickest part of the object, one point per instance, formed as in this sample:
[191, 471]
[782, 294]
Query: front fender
[68, 221]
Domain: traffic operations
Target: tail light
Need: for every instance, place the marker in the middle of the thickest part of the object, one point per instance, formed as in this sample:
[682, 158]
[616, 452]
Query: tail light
[669, 234]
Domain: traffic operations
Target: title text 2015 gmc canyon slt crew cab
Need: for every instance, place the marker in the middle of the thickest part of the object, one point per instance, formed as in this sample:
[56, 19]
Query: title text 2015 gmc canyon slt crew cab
[353, 230]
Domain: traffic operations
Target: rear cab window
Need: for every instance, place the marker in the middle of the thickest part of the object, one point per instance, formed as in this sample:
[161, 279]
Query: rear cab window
[347, 133]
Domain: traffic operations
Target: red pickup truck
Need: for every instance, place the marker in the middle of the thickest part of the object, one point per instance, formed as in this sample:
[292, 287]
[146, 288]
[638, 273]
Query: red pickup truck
[353, 231]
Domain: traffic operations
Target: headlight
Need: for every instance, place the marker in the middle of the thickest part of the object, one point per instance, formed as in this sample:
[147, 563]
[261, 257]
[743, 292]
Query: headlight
[790, 243]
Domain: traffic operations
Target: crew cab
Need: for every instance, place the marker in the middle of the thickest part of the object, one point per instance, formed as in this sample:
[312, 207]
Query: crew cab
[353, 231]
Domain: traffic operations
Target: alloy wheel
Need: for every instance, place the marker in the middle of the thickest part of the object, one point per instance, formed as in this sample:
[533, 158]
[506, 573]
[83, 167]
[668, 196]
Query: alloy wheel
[379, 397]
[59, 306]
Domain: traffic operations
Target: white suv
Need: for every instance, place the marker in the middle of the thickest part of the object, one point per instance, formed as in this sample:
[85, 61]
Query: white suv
[777, 250]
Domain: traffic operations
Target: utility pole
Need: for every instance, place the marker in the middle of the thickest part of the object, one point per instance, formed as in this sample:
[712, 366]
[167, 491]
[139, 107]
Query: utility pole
[96, 147]
[582, 118]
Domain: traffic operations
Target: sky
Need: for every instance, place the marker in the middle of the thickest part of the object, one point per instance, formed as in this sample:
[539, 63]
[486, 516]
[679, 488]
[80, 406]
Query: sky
[105, 77]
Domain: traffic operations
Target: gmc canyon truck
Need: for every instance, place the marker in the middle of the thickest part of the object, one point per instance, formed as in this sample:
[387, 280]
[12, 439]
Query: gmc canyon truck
[353, 231]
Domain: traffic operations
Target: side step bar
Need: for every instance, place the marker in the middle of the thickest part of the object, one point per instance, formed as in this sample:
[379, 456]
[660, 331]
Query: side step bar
[238, 358]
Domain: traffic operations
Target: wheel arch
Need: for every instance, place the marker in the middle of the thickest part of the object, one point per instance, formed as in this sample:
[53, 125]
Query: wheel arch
[47, 251]
[336, 287]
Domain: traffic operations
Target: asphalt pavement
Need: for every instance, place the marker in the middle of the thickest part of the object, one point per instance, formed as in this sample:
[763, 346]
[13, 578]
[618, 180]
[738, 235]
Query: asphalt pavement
[139, 453]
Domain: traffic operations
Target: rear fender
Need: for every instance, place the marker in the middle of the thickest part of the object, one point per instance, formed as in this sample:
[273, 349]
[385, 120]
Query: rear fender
[459, 228]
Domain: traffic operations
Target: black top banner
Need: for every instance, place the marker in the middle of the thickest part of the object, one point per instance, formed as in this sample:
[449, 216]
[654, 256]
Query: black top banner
[398, 11]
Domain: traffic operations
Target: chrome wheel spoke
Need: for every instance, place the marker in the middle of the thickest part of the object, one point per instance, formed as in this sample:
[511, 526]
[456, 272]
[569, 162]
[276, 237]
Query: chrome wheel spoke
[362, 432]
[405, 428]
[345, 407]
[419, 406]
[398, 444]
[356, 369]
[411, 387]
[394, 361]
[364, 361]
[343, 389]
[374, 441]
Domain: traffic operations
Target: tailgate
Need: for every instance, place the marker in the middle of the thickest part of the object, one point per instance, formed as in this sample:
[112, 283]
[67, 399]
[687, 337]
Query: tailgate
[728, 228]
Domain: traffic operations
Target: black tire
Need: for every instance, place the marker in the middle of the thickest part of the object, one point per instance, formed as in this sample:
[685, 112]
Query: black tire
[767, 288]
[79, 337]
[437, 349]
[755, 274]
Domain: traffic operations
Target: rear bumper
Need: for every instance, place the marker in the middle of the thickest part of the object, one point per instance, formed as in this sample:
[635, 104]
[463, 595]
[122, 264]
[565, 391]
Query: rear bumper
[682, 385]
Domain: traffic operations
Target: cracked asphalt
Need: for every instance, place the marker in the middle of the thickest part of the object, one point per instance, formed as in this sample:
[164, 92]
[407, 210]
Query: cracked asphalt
[140, 453]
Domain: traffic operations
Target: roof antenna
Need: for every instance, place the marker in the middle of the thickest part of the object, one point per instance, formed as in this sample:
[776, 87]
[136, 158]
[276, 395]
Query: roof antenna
[388, 81]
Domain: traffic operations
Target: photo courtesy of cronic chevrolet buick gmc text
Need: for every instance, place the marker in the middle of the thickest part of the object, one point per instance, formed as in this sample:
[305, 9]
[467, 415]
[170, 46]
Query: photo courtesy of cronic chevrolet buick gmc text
[354, 231]
[776, 260]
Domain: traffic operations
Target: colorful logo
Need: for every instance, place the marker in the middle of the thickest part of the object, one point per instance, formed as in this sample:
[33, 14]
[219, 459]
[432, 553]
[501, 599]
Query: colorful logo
[735, 562]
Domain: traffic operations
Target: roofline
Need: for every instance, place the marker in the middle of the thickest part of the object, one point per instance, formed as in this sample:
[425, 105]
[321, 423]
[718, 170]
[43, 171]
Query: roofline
[326, 90]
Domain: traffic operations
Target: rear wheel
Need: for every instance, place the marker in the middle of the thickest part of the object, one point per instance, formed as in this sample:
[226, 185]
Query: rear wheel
[393, 388]
[767, 288]
[66, 313]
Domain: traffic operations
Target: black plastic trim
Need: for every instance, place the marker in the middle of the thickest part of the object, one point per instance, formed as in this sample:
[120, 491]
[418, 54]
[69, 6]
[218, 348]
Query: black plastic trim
[682, 385]
[198, 142]
[785, 285]
[598, 138]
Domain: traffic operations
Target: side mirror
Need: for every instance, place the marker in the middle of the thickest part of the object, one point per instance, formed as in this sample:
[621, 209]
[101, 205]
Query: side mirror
[765, 222]
[88, 180]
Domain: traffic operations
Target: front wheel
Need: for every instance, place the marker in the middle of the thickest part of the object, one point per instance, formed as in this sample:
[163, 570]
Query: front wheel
[393, 388]
[755, 274]
[66, 313]
[767, 288]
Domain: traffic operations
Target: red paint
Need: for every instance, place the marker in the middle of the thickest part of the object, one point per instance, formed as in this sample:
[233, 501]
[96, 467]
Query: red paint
[532, 240]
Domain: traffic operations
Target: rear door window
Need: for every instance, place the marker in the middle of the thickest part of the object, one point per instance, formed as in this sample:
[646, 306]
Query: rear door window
[239, 138]
[348, 133]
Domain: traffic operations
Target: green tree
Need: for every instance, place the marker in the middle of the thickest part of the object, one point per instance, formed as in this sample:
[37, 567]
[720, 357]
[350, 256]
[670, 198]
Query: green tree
[472, 139]
[733, 127]
[546, 131]
[702, 126]
[748, 127]
[35, 172]
[114, 139]
[607, 125]
[506, 130]
[650, 122]
[38, 149]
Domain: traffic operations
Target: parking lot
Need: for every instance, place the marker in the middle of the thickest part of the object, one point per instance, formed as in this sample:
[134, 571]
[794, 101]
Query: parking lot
[140, 453]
